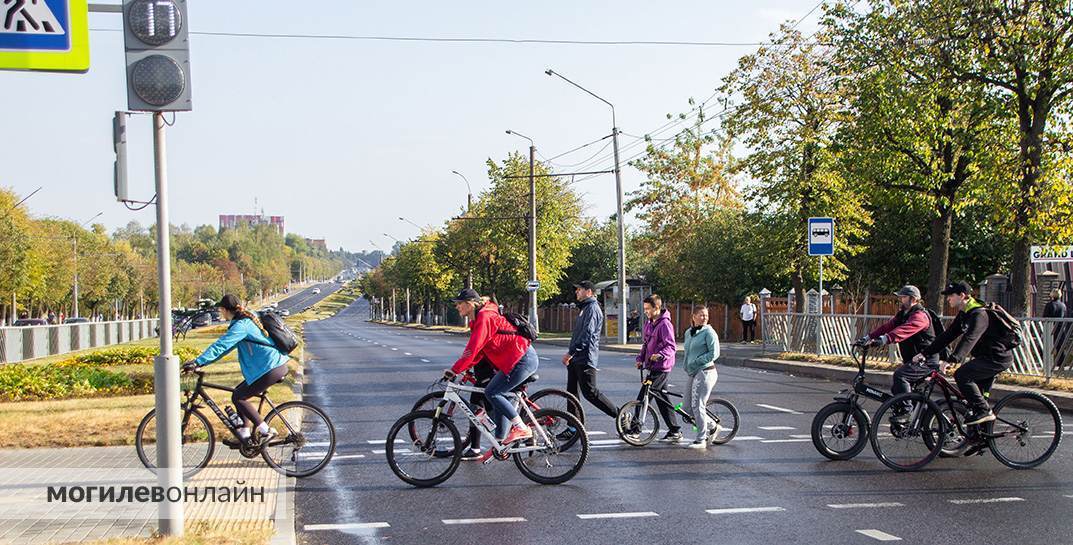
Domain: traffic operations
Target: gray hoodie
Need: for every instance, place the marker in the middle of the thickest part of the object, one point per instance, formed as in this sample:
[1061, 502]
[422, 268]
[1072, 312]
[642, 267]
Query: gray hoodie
[585, 340]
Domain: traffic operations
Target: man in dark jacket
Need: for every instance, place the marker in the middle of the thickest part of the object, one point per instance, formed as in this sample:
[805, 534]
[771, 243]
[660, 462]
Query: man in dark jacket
[584, 353]
[981, 338]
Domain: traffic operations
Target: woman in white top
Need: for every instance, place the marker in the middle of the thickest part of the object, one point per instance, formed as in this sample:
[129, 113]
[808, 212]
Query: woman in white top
[748, 321]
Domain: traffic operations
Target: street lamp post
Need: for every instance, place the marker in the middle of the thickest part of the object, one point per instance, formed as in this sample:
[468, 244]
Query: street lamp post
[622, 288]
[469, 206]
[533, 317]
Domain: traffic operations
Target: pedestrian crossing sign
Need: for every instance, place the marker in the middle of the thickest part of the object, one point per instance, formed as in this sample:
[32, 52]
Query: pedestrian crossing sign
[47, 35]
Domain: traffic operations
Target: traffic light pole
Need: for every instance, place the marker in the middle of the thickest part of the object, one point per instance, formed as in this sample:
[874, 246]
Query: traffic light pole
[166, 365]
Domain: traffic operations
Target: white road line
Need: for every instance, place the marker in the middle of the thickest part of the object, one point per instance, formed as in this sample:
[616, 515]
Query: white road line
[1069, 496]
[396, 349]
[545, 358]
[596, 433]
[736, 510]
[347, 457]
[865, 505]
[802, 436]
[985, 500]
[785, 440]
[776, 428]
[407, 354]
[382, 441]
[605, 446]
[591, 516]
[605, 442]
[748, 438]
[345, 527]
[397, 451]
[780, 409]
[426, 361]
[484, 521]
[317, 444]
[879, 536]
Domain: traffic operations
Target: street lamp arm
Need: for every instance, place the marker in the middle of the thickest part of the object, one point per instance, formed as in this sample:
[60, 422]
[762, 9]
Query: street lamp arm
[551, 72]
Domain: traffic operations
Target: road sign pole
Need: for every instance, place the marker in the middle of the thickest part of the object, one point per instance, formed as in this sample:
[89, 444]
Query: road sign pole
[819, 315]
[166, 365]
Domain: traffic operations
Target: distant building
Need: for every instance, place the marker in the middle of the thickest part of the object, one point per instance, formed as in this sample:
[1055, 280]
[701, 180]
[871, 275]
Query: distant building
[231, 221]
[317, 243]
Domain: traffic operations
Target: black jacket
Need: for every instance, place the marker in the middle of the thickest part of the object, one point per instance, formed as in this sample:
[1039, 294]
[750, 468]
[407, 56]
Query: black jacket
[1054, 309]
[921, 340]
[979, 338]
[585, 339]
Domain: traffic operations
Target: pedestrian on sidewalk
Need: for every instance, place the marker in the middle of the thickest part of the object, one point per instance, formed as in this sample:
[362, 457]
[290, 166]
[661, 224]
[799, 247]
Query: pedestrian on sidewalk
[1057, 309]
[702, 349]
[748, 320]
[657, 357]
[583, 356]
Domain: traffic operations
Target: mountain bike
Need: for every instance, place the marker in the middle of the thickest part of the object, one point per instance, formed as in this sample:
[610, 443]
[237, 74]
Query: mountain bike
[433, 448]
[637, 423]
[547, 398]
[1026, 431]
[304, 444]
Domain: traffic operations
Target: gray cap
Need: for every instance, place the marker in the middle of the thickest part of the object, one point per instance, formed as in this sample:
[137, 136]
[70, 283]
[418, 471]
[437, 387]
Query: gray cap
[910, 290]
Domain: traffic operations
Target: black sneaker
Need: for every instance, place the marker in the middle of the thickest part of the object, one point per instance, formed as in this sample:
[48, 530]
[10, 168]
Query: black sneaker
[471, 454]
[231, 443]
[566, 434]
[672, 437]
[977, 416]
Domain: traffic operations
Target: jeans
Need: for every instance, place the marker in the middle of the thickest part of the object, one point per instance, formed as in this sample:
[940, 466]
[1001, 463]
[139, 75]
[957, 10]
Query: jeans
[583, 376]
[659, 382]
[697, 394]
[503, 383]
[245, 391]
[908, 373]
[976, 375]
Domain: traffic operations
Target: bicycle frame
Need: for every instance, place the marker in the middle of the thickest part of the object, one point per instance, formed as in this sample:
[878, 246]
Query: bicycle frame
[860, 388]
[199, 392]
[951, 394]
[451, 395]
[661, 397]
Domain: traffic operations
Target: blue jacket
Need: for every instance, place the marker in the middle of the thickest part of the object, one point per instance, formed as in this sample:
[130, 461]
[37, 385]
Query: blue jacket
[254, 359]
[702, 349]
[585, 339]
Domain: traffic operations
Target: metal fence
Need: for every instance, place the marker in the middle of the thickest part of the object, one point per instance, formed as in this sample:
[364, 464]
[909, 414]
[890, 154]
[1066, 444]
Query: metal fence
[1046, 348]
[25, 343]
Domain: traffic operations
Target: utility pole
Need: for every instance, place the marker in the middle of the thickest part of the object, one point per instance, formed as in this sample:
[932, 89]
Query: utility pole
[533, 315]
[469, 208]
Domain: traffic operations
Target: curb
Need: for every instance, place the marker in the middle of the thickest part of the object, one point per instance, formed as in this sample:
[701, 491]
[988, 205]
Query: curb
[285, 520]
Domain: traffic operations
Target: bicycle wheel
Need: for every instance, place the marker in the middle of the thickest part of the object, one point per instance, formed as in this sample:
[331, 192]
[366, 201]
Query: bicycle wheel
[1026, 431]
[911, 446]
[725, 414]
[560, 400]
[419, 464]
[305, 441]
[840, 431]
[635, 428]
[556, 462]
[954, 442]
[429, 402]
[198, 441]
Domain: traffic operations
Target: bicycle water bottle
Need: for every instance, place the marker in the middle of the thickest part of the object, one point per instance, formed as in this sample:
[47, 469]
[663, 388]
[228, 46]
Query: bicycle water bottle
[235, 419]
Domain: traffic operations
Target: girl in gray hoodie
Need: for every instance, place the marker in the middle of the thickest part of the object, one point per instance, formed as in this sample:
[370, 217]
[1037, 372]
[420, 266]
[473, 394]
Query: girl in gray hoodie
[702, 349]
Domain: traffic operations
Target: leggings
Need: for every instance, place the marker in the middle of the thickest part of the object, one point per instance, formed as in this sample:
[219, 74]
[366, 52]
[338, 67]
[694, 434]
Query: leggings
[700, 389]
[245, 391]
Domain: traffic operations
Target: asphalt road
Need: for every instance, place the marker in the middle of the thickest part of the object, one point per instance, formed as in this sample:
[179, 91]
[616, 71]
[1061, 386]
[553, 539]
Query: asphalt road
[766, 486]
[306, 297]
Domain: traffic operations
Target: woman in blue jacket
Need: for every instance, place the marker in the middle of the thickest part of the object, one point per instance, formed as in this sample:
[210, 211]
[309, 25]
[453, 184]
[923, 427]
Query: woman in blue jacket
[261, 363]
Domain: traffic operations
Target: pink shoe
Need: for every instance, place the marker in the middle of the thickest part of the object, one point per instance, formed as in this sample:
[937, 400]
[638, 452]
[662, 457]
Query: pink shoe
[517, 433]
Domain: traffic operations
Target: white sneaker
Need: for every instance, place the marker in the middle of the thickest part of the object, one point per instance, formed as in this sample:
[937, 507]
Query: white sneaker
[698, 444]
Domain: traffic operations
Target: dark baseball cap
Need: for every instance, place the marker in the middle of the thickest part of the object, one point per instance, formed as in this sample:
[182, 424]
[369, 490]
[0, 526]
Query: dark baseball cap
[957, 287]
[467, 294]
[909, 290]
[229, 302]
[585, 285]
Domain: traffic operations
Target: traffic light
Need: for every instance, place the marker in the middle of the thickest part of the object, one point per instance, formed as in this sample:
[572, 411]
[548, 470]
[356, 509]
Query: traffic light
[155, 33]
[119, 142]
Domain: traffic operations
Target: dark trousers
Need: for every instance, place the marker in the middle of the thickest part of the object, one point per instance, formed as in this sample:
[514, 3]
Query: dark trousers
[583, 376]
[975, 377]
[908, 373]
[748, 330]
[245, 391]
[659, 382]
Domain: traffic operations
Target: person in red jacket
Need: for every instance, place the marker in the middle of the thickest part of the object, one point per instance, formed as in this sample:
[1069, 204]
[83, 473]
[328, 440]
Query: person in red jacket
[493, 338]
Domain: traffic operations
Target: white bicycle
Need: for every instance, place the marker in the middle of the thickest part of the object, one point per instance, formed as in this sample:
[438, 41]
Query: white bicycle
[430, 447]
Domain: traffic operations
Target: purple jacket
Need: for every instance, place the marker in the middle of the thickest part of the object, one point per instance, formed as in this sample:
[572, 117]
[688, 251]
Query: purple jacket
[659, 339]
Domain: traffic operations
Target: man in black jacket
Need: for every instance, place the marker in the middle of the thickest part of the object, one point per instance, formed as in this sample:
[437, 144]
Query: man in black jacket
[584, 353]
[982, 339]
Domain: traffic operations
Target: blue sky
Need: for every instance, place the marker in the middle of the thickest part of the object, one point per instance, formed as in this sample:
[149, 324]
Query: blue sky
[343, 137]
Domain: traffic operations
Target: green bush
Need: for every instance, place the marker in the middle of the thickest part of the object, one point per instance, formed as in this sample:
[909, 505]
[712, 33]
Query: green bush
[125, 355]
[54, 381]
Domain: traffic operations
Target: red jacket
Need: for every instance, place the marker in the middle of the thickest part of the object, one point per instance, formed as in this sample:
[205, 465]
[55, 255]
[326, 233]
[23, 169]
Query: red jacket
[485, 342]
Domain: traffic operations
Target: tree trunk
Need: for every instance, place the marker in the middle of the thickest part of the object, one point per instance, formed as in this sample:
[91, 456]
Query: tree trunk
[1033, 118]
[1021, 277]
[939, 259]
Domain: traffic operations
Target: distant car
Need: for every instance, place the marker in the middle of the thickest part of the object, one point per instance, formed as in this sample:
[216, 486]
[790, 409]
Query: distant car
[25, 322]
[316, 290]
[285, 312]
[201, 320]
[76, 320]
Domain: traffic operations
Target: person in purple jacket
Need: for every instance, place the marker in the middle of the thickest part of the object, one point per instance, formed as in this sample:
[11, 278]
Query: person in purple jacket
[657, 356]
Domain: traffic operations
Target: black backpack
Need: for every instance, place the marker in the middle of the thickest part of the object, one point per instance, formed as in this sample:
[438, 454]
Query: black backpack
[1008, 329]
[937, 323]
[283, 339]
[521, 325]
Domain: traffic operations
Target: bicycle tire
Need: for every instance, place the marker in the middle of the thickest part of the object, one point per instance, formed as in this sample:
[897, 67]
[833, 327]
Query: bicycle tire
[580, 445]
[461, 421]
[625, 419]
[934, 447]
[954, 443]
[404, 422]
[719, 438]
[1050, 410]
[859, 427]
[188, 471]
[277, 412]
[570, 400]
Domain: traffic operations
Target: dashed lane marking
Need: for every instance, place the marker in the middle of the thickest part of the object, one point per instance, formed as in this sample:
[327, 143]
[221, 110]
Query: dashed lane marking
[498, 520]
[776, 428]
[780, 409]
[879, 505]
[748, 438]
[985, 500]
[878, 536]
[426, 361]
[785, 440]
[736, 510]
[345, 527]
[407, 354]
[347, 457]
[800, 436]
[382, 441]
[591, 516]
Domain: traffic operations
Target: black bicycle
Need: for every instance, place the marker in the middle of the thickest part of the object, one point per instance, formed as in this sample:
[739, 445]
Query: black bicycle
[638, 424]
[840, 430]
[304, 444]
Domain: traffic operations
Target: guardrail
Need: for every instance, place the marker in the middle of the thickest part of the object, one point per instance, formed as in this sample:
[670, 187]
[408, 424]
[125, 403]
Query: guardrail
[25, 343]
[1046, 346]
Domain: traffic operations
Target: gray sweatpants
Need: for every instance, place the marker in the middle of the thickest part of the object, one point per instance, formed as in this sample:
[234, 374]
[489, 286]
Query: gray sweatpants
[700, 389]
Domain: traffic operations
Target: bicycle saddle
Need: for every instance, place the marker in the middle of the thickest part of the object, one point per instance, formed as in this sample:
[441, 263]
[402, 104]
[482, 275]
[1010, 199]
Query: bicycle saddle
[532, 378]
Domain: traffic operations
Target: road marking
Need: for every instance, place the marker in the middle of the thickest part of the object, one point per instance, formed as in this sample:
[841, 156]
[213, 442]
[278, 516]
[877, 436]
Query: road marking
[407, 354]
[596, 433]
[985, 500]
[382, 441]
[545, 358]
[780, 409]
[484, 521]
[426, 361]
[879, 536]
[785, 440]
[792, 436]
[776, 428]
[348, 457]
[591, 516]
[736, 510]
[1069, 496]
[748, 438]
[396, 349]
[317, 444]
[345, 527]
[605, 442]
[865, 505]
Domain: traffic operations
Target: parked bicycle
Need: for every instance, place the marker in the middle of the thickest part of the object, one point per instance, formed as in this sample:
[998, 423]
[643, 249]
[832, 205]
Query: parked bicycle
[433, 445]
[638, 424]
[304, 445]
[1026, 431]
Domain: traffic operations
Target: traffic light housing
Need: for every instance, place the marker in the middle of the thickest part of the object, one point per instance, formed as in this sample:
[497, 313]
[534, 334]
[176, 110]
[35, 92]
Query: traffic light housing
[156, 38]
[119, 143]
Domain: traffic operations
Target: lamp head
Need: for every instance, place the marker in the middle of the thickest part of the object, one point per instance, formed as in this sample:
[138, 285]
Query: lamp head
[549, 71]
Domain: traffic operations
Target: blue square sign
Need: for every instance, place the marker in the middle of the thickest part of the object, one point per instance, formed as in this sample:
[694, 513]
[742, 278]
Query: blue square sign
[51, 35]
[821, 236]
